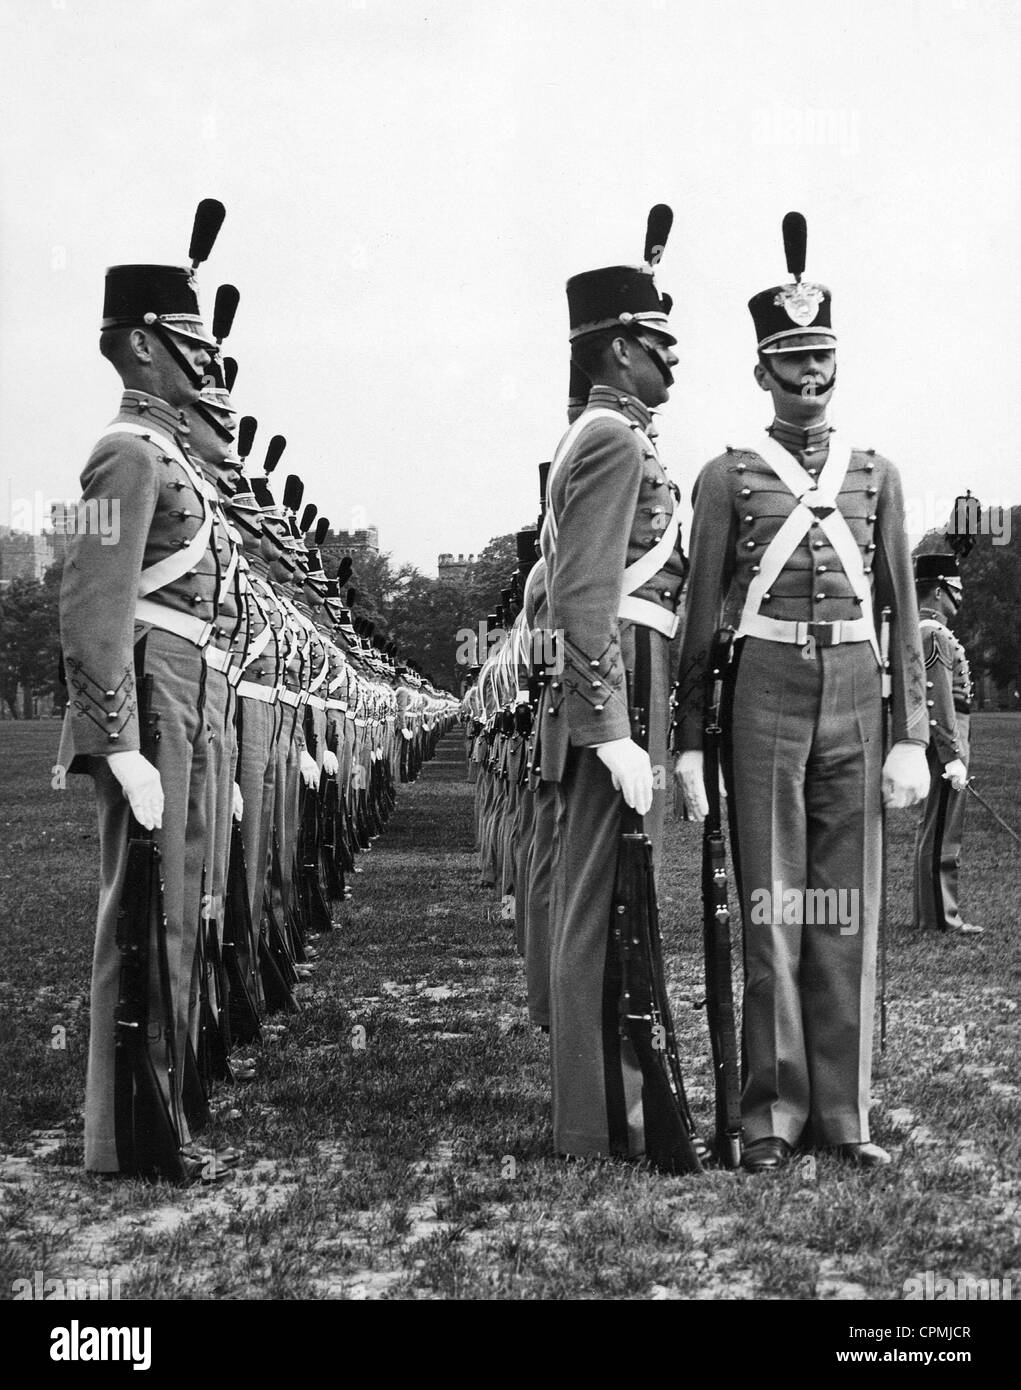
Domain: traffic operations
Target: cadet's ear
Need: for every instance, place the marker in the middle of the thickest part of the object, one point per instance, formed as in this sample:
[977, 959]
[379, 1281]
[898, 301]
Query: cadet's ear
[139, 345]
[759, 373]
[621, 350]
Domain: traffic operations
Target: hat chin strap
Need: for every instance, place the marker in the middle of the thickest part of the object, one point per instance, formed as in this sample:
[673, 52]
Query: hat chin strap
[784, 386]
[194, 378]
[664, 370]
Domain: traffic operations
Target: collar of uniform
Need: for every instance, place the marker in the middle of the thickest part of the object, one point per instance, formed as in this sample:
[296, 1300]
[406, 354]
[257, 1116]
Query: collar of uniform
[934, 616]
[797, 439]
[145, 409]
[629, 406]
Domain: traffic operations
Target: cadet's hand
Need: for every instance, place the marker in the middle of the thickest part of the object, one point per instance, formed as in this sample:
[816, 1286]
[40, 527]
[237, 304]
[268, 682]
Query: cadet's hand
[141, 784]
[905, 776]
[309, 771]
[689, 773]
[956, 774]
[631, 771]
[239, 804]
[330, 764]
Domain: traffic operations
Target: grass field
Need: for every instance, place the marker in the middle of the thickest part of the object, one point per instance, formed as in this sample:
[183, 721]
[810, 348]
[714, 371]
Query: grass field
[412, 1160]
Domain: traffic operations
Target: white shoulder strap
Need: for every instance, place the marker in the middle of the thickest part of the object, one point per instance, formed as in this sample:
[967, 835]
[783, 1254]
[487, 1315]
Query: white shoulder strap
[813, 500]
[173, 566]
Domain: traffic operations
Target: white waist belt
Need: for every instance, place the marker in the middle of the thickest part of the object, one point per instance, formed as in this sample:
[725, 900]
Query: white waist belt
[337, 704]
[647, 614]
[317, 701]
[824, 634]
[268, 694]
[221, 661]
[294, 698]
[186, 625]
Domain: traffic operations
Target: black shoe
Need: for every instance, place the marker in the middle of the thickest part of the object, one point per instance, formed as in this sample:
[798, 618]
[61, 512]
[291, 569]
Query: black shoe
[864, 1155]
[767, 1155]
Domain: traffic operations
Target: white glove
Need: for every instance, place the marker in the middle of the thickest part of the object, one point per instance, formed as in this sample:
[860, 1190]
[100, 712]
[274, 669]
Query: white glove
[631, 771]
[141, 784]
[239, 804]
[689, 772]
[905, 776]
[330, 764]
[956, 774]
[309, 771]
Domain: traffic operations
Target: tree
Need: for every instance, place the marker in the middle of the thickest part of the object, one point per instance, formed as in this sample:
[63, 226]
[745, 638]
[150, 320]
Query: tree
[489, 574]
[29, 640]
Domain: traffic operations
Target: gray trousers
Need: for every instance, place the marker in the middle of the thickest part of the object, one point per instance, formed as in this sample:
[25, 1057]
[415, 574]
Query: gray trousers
[189, 704]
[597, 1083]
[938, 847]
[538, 870]
[805, 765]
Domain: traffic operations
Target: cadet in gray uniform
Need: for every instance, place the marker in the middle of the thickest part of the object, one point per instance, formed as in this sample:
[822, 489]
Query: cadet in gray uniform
[948, 685]
[805, 533]
[144, 607]
[614, 575]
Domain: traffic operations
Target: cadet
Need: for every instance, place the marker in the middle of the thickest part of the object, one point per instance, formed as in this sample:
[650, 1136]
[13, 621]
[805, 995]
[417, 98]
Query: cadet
[614, 575]
[948, 683]
[146, 607]
[809, 530]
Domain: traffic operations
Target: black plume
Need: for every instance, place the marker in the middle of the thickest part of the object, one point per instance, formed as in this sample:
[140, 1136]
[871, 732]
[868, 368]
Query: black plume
[209, 217]
[344, 570]
[352, 597]
[277, 445]
[263, 496]
[795, 242]
[322, 529]
[307, 517]
[294, 490]
[230, 372]
[224, 309]
[661, 219]
[246, 435]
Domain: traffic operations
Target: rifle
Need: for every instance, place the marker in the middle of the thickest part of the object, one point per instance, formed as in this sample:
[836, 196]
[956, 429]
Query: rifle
[719, 986]
[147, 1126]
[213, 1051]
[886, 691]
[239, 950]
[644, 1013]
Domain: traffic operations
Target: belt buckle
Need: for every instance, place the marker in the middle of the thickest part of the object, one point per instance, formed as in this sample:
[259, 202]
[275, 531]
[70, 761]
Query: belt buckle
[825, 634]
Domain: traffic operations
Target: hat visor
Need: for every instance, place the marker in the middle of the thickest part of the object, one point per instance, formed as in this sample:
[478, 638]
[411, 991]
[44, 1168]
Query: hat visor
[190, 329]
[798, 341]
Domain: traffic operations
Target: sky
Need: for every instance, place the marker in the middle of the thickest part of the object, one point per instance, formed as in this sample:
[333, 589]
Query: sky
[409, 183]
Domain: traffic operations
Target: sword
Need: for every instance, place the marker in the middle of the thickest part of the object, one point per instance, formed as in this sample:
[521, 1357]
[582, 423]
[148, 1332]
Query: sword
[996, 817]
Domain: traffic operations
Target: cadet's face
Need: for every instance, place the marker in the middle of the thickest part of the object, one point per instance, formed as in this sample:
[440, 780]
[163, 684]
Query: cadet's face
[650, 385]
[171, 383]
[210, 446]
[807, 374]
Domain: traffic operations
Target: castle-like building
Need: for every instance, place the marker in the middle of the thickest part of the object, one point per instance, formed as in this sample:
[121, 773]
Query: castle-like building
[453, 571]
[27, 556]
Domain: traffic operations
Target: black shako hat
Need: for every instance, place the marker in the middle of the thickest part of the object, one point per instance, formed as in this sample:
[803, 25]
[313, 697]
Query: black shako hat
[793, 318]
[137, 295]
[935, 567]
[619, 296]
[167, 292]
